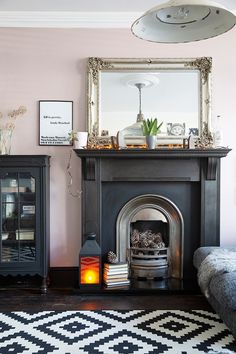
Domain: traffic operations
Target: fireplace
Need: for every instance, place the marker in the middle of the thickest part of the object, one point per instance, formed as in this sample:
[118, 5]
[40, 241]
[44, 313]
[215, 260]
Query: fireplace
[166, 222]
[175, 190]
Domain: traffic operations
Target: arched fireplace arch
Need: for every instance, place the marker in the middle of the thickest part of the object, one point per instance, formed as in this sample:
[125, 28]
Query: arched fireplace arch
[175, 223]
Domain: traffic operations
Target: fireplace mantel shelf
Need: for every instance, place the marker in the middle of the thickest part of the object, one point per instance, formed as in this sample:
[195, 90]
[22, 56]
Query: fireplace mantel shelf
[211, 157]
[157, 153]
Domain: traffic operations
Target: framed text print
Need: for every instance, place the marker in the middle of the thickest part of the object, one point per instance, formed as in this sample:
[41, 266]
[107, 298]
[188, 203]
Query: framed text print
[55, 122]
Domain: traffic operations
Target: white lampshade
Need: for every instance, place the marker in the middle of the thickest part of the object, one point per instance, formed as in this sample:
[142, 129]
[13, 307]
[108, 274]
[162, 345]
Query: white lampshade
[180, 21]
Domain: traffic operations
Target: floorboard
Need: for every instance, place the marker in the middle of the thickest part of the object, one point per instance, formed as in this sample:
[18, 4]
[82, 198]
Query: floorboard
[67, 299]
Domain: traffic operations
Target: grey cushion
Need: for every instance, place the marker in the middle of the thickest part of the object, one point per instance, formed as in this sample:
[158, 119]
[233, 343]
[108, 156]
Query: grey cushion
[200, 254]
[223, 288]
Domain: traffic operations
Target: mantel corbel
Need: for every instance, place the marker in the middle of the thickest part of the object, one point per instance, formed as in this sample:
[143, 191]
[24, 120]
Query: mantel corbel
[90, 169]
[211, 168]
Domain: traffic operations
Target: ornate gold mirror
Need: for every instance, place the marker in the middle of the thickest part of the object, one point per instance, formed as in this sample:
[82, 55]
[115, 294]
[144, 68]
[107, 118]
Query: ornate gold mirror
[122, 92]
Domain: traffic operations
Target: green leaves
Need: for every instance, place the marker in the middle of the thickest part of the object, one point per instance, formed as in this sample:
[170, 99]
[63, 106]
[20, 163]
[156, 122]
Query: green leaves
[151, 127]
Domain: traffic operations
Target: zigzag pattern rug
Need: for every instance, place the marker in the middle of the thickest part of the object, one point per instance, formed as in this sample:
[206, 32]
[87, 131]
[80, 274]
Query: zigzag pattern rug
[114, 332]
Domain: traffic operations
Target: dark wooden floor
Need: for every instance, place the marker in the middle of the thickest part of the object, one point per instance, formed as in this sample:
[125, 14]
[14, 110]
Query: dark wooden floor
[12, 299]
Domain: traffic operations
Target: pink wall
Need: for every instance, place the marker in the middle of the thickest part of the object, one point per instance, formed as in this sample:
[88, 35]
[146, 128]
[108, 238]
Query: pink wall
[37, 64]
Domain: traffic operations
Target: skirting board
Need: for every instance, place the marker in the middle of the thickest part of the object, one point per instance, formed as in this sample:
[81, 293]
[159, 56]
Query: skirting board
[63, 277]
[68, 277]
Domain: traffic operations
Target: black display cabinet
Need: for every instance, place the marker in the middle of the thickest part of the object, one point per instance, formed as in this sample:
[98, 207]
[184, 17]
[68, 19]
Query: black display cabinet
[24, 212]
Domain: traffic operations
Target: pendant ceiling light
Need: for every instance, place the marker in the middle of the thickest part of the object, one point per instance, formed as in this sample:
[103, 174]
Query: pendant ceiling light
[180, 21]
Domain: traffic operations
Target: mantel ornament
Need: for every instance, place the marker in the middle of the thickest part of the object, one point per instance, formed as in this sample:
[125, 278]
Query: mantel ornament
[96, 142]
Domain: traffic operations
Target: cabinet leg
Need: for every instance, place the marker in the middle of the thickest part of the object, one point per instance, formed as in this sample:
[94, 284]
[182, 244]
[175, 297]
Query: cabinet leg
[44, 286]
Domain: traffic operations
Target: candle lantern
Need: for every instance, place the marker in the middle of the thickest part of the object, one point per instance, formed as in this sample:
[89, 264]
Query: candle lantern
[90, 263]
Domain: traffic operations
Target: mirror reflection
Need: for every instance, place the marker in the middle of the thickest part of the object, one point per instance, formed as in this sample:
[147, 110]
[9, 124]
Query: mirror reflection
[173, 97]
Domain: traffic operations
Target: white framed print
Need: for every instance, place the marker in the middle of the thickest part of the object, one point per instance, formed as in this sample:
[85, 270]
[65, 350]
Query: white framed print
[55, 122]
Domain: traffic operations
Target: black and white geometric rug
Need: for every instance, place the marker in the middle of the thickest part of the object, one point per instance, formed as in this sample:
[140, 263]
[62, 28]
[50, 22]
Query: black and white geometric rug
[114, 332]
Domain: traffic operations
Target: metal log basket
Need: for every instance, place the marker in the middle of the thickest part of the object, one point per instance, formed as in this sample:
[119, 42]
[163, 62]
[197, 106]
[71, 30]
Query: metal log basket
[149, 263]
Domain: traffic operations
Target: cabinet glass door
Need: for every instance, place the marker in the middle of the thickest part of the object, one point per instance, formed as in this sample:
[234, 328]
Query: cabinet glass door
[18, 224]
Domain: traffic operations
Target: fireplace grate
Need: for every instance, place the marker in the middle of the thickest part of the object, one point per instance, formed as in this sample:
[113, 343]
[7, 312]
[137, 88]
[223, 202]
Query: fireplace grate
[149, 263]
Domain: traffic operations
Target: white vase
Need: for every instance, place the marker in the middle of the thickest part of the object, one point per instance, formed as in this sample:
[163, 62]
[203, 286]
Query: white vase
[151, 141]
[82, 139]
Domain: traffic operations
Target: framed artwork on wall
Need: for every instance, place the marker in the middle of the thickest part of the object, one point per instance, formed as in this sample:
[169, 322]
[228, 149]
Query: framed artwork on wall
[55, 122]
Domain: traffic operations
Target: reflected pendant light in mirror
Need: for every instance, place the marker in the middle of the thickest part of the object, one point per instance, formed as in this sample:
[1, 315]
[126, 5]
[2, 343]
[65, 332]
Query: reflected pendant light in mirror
[180, 21]
[139, 81]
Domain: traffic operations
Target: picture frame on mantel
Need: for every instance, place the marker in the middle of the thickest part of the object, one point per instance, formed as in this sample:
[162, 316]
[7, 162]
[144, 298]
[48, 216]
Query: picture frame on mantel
[55, 122]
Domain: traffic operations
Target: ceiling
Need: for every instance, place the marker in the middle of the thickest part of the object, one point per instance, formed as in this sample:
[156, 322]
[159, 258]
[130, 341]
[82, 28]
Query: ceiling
[89, 5]
[78, 13]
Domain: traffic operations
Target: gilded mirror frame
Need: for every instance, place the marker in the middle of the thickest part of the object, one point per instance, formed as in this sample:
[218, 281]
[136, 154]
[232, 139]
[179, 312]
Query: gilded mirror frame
[96, 66]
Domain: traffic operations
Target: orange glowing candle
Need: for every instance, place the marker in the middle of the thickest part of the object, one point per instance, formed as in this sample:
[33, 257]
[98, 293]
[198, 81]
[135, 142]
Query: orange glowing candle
[90, 270]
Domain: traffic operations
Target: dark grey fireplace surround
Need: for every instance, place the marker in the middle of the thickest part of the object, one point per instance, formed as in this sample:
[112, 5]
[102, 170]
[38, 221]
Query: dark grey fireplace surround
[182, 183]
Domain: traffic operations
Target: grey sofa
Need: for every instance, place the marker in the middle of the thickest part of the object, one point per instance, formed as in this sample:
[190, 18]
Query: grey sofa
[221, 289]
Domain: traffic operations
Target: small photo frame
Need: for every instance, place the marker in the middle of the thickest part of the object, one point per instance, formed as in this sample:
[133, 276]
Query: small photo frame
[176, 129]
[55, 122]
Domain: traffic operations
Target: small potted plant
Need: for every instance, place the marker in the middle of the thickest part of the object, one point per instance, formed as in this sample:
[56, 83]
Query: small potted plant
[150, 129]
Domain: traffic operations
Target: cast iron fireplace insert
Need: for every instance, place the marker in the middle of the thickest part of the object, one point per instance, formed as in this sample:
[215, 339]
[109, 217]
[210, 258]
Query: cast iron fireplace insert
[186, 179]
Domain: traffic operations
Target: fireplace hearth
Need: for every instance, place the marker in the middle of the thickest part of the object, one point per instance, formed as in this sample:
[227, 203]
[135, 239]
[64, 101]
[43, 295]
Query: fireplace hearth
[172, 193]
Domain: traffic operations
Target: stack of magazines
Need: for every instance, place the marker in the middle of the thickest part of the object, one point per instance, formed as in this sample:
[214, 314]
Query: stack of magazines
[115, 275]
